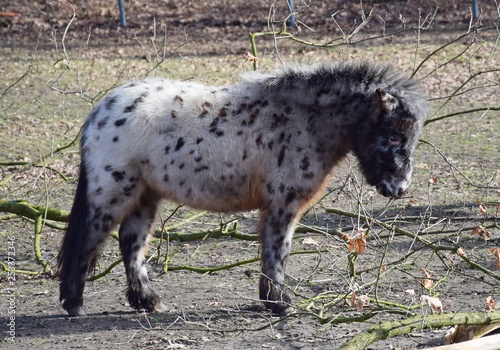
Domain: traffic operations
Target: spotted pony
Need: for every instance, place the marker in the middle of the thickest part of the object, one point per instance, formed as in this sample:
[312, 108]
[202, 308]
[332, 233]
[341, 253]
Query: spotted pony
[267, 143]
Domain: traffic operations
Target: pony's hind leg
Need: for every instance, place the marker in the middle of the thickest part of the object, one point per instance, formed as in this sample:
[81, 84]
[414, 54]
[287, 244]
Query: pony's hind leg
[82, 256]
[99, 206]
[134, 233]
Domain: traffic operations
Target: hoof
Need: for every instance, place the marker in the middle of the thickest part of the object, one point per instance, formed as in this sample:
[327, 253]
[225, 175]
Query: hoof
[286, 311]
[279, 309]
[149, 301]
[74, 307]
[275, 297]
[76, 311]
[160, 308]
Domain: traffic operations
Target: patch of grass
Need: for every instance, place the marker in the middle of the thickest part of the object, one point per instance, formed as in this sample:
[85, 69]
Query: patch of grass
[45, 109]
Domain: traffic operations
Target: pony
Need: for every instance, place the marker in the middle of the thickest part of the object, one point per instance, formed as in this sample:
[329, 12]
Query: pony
[268, 142]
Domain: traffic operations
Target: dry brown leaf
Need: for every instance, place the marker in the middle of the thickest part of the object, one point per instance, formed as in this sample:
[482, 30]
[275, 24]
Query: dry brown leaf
[249, 57]
[434, 303]
[450, 260]
[383, 268]
[481, 231]
[483, 209]
[352, 300]
[496, 252]
[490, 303]
[434, 180]
[427, 282]
[461, 252]
[361, 302]
[358, 241]
[425, 273]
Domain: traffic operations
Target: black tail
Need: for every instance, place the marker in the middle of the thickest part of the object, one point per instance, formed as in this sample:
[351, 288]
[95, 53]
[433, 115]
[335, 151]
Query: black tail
[74, 239]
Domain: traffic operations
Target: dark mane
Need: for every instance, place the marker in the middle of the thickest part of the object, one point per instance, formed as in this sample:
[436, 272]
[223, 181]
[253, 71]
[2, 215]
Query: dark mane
[351, 77]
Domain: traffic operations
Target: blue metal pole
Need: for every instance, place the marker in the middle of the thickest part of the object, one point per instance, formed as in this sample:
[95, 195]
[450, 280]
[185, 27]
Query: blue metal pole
[291, 19]
[123, 20]
[475, 9]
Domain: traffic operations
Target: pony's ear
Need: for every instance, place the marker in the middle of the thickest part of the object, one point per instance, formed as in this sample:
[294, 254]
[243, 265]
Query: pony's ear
[385, 100]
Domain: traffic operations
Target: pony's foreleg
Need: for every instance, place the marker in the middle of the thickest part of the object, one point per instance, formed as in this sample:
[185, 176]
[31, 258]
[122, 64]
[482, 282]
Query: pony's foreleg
[134, 233]
[276, 233]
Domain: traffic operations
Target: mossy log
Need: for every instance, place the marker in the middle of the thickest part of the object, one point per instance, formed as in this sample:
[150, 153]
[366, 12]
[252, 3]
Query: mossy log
[390, 329]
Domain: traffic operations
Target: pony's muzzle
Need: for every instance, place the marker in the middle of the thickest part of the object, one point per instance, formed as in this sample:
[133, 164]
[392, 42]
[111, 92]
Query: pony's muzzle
[394, 189]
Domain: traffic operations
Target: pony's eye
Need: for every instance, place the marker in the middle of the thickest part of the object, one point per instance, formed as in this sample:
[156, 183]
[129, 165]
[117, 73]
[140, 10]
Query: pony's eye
[395, 139]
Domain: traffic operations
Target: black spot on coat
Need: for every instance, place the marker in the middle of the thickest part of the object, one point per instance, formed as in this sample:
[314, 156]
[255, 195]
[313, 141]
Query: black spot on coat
[179, 100]
[93, 114]
[290, 196]
[223, 112]
[102, 123]
[304, 164]
[281, 155]
[111, 102]
[133, 106]
[201, 168]
[129, 109]
[270, 188]
[179, 144]
[118, 175]
[282, 187]
[258, 140]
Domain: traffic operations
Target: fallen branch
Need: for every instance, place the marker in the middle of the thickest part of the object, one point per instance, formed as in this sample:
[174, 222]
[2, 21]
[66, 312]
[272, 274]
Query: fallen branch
[413, 324]
[22, 208]
[194, 268]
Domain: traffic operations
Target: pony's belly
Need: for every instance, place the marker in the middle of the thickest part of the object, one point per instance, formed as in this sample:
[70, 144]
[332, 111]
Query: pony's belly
[205, 193]
[224, 205]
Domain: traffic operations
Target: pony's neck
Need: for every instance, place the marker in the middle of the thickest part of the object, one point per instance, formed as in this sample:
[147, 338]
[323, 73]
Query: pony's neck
[337, 116]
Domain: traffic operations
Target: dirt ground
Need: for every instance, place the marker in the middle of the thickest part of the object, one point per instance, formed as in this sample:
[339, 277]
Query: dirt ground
[220, 309]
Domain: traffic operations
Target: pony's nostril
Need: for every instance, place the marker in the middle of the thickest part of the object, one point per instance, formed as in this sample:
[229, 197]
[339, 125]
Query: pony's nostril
[401, 192]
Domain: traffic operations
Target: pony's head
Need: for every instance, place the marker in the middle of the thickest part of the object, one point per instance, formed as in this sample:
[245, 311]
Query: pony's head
[385, 142]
